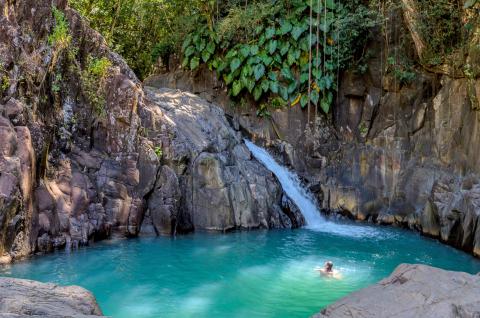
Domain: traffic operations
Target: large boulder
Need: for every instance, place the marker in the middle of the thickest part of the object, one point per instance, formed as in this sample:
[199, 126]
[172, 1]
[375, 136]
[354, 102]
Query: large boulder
[210, 181]
[413, 291]
[21, 298]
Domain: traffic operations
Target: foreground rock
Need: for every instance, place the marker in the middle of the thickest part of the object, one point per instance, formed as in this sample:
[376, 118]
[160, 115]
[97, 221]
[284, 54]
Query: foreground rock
[25, 298]
[413, 291]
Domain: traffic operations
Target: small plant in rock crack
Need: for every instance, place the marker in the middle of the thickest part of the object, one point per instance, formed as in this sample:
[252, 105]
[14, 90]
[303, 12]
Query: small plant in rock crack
[93, 83]
[5, 83]
[159, 152]
[60, 37]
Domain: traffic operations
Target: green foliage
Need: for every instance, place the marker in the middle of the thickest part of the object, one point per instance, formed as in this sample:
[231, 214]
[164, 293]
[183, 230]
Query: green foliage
[441, 25]
[199, 47]
[159, 152]
[143, 30]
[4, 83]
[57, 82]
[60, 37]
[98, 68]
[268, 57]
[402, 69]
[93, 80]
[162, 50]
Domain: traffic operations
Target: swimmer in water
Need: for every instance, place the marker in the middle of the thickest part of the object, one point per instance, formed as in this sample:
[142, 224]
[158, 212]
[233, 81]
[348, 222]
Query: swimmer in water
[328, 270]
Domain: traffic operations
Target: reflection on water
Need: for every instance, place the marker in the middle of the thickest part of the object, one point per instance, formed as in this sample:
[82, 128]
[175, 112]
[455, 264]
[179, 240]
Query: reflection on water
[253, 274]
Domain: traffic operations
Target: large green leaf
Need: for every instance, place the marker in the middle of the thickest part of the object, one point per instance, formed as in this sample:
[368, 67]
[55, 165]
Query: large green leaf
[189, 51]
[292, 87]
[304, 77]
[304, 100]
[246, 71]
[236, 88]
[228, 78]
[231, 54]
[254, 50]
[330, 4]
[257, 92]
[272, 76]
[185, 62]
[235, 64]
[186, 43]
[297, 32]
[325, 105]
[274, 87]
[314, 97]
[194, 63]
[266, 59]
[205, 56]
[265, 85]
[283, 91]
[210, 47]
[269, 32]
[326, 102]
[272, 46]
[328, 81]
[249, 83]
[201, 45]
[293, 56]
[245, 50]
[287, 73]
[285, 27]
[284, 47]
[259, 71]
[222, 65]
[317, 73]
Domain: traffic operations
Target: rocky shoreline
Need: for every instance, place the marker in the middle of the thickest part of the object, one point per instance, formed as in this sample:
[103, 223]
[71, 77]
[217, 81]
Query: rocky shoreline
[27, 298]
[413, 291]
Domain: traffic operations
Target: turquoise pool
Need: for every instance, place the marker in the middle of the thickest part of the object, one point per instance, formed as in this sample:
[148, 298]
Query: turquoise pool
[248, 274]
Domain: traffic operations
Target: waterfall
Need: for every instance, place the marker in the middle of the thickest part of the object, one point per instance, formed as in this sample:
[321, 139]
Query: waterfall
[304, 200]
[291, 185]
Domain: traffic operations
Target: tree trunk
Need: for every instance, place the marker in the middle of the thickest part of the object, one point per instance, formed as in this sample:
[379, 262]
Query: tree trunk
[412, 20]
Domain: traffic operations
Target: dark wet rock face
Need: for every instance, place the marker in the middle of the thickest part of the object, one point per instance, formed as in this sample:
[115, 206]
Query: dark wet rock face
[22, 298]
[413, 291]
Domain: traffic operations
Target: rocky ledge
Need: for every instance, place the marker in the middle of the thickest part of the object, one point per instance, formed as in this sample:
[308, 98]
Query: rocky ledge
[413, 291]
[25, 298]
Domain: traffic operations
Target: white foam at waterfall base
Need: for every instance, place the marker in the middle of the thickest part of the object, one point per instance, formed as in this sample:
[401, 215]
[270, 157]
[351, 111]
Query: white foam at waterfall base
[303, 199]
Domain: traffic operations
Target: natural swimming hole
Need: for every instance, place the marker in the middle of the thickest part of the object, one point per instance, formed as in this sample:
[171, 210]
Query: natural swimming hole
[244, 274]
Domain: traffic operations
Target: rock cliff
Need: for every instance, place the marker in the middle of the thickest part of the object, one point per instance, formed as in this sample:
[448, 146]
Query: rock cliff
[413, 291]
[403, 154]
[208, 179]
[84, 156]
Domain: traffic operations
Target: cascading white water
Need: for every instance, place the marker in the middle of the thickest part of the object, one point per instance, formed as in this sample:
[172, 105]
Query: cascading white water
[304, 200]
[291, 185]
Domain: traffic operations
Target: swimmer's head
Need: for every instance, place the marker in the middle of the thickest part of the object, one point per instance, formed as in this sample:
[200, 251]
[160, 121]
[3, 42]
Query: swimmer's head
[329, 266]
